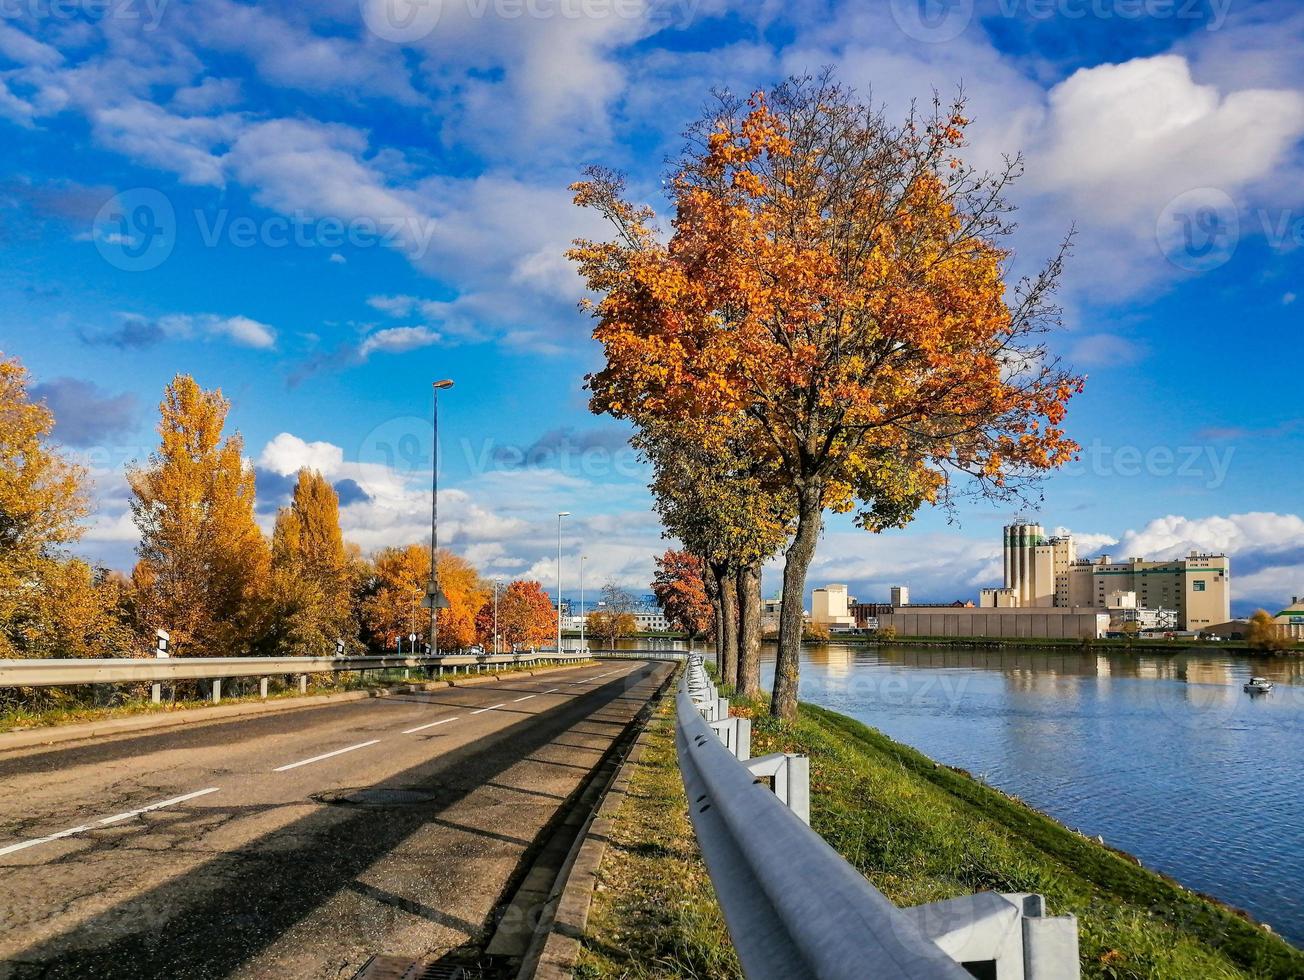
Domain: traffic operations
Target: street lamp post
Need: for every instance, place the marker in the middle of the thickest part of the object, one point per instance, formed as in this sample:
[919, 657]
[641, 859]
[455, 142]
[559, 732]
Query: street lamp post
[433, 590]
[497, 583]
[583, 559]
[560, 515]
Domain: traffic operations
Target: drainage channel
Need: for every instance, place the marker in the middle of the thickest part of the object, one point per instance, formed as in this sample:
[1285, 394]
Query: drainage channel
[516, 918]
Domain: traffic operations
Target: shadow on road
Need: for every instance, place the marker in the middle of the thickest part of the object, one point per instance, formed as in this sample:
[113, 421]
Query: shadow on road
[223, 913]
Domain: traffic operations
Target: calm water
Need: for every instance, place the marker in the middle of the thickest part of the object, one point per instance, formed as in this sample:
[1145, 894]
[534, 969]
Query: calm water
[1164, 757]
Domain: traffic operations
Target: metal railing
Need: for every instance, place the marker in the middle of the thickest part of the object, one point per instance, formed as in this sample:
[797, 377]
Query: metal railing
[151, 670]
[795, 909]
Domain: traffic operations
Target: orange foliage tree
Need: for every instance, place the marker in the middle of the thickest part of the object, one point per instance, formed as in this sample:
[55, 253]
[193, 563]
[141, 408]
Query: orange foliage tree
[681, 592]
[526, 617]
[835, 294]
[393, 606]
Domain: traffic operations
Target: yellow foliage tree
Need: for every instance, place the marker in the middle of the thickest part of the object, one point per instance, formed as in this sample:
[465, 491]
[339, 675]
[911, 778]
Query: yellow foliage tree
[311, 571]
[49, 606]
[1264, 633]
[203, 564]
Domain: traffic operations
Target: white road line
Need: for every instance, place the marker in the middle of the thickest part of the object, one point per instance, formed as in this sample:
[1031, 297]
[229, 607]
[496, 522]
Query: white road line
[552, 690]
[422, 728]
[325, 755]
[526, 698]
[118, 818]
[490, 708]
[41, 840]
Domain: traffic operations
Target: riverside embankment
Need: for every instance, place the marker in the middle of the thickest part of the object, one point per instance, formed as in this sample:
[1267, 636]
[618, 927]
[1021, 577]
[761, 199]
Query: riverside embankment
[920, 832]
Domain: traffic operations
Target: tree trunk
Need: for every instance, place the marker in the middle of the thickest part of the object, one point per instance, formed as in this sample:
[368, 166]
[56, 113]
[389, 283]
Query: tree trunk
[717, 627]
[749, 630]
[797, 559]
[728, 588]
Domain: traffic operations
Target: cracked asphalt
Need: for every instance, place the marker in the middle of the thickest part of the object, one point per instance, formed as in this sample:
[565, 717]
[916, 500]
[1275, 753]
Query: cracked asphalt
[295, 844]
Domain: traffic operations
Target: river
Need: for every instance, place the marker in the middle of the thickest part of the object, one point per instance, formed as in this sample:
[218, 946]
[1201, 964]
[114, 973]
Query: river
[1163, 756]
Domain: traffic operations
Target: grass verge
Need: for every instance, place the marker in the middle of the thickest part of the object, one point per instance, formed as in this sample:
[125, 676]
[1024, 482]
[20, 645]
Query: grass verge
[52, 708]
[654, 913]
[921, 832]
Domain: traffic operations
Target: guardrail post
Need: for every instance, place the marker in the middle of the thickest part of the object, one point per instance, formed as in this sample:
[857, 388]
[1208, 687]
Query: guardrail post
[217, 690]
[303, 683]
[156, 693]
[791, 775]
[262, 687]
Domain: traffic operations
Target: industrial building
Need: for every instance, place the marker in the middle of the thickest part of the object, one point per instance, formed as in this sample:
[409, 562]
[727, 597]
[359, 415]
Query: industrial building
[831, 606]
[1042, 572]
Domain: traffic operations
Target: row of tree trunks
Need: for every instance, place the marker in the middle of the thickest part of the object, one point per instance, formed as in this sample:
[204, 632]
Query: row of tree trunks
[736, 599]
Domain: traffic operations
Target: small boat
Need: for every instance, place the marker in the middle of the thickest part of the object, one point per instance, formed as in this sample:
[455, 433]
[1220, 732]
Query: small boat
[1258, 685]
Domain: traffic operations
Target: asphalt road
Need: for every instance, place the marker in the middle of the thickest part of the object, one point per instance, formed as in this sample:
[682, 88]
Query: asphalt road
[294, 844]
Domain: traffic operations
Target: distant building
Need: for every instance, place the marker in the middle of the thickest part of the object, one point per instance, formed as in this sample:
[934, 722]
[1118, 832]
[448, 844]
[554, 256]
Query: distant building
[1126, 614]
[1043, 571]
[1044, 622]
[650, 619]
[899, 595]
[1290, 621]
[830, 606]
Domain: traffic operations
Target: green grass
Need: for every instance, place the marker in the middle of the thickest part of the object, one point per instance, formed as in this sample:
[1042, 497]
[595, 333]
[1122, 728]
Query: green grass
[48, 708]
[654, 913]
[920, 832]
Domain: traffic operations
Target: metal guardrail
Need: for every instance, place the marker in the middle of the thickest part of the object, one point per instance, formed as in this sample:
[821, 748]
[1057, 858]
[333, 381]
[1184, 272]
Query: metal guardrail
[674, 656]
[74, 672]
[797, 911]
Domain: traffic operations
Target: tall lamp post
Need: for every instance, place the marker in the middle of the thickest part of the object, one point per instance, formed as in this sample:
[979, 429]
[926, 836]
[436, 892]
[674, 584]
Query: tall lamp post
[497, 583]
[583, 559]
[560, 515]
[432, 591]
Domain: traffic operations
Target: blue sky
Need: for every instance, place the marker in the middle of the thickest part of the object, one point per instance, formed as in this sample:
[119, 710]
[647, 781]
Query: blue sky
[320, 208]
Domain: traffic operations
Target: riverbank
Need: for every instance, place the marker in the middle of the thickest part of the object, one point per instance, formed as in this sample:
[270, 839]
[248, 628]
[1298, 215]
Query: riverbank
[920, 832]
[1238, 647]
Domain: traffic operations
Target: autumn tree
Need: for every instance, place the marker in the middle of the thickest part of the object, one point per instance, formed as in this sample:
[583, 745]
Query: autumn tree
[311, 588]
[681, 592]
[393, 606]
[202, 563]
[526, 616]
[841, 284]
[610, 625]
[42, 498]
[1264, 633]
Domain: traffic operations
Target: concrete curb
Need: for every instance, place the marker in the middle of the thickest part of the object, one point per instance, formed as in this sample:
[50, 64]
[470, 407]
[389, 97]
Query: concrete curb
[573, 894]
[58, 734]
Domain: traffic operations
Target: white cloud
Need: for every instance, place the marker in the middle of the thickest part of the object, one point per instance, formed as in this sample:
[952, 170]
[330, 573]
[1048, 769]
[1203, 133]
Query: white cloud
[241, 330]
[396, 340]
[1174, 536]
[1126, 138]
[287, 454]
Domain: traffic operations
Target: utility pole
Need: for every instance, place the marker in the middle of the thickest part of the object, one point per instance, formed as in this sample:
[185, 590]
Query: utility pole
[560, 515]
[433, 593]
[583, 559]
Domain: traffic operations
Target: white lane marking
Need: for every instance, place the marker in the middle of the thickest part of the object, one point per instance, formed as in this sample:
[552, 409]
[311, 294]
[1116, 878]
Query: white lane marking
[325, 755]
[526, 698]
[490, 708]
[118, 818]
[552, 690]
[422, 728]
[42, 840]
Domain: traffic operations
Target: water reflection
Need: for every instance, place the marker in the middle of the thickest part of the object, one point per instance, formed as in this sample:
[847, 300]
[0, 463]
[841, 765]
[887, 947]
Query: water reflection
[1163, 756]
